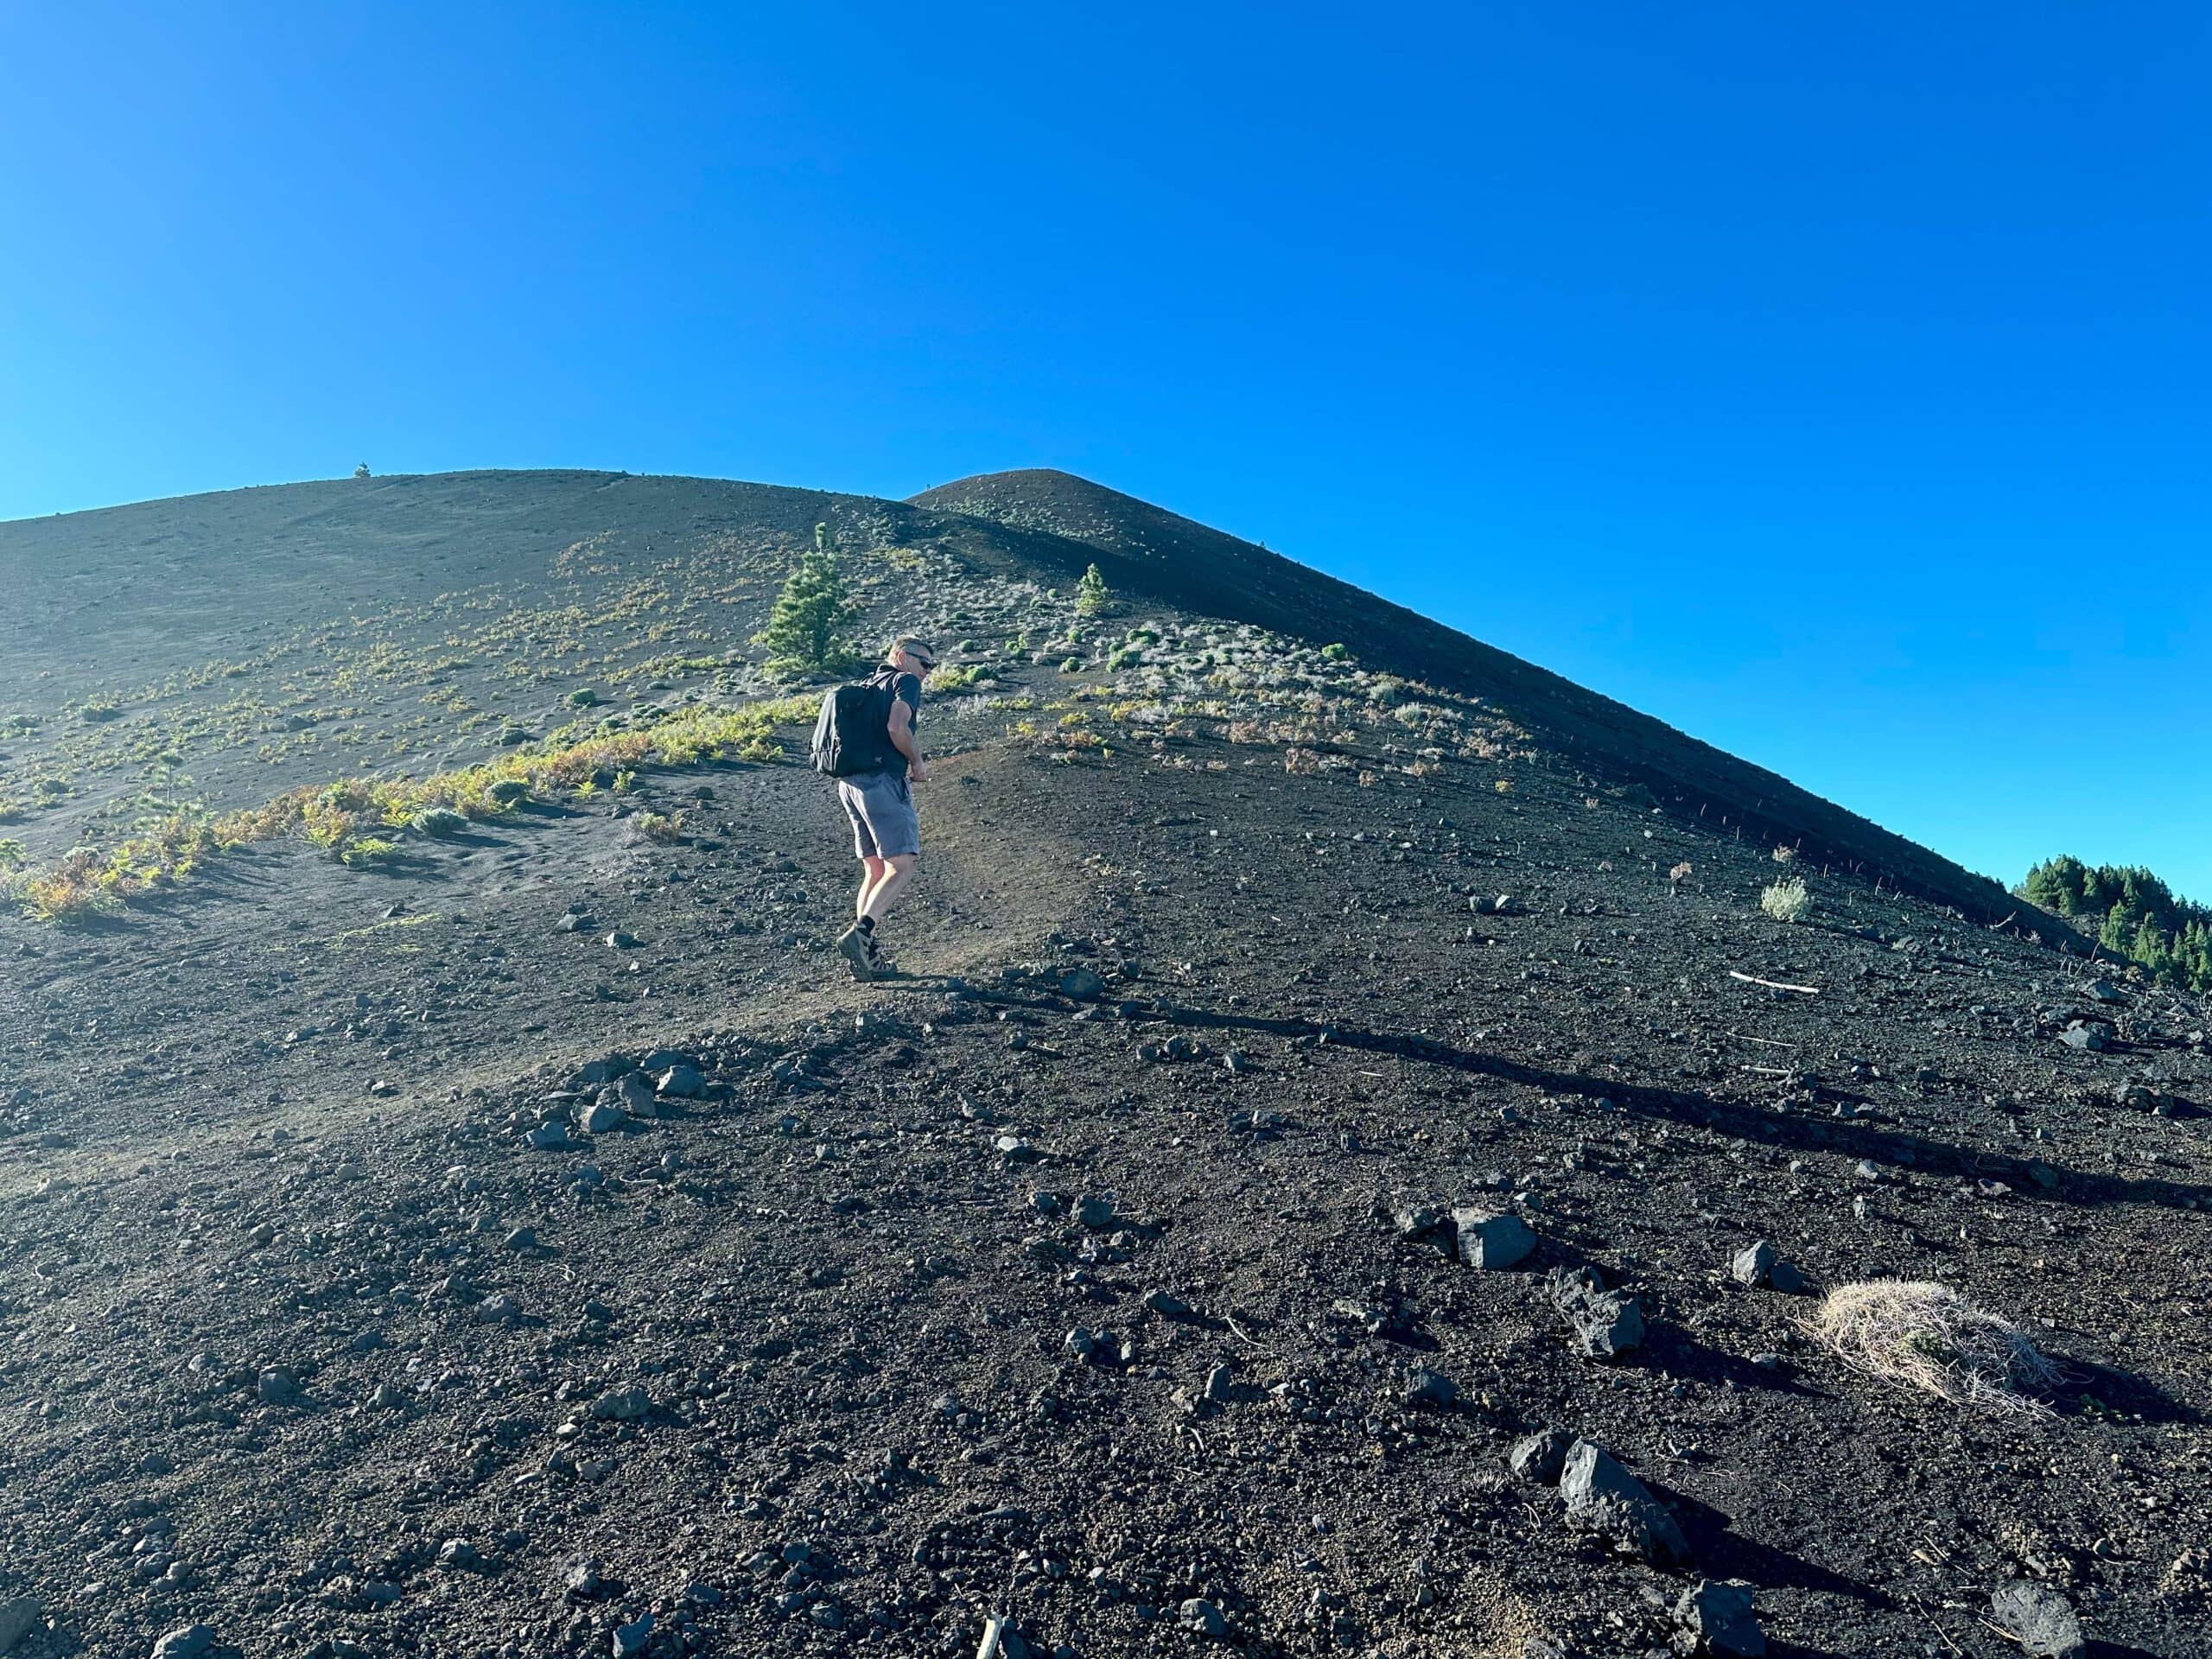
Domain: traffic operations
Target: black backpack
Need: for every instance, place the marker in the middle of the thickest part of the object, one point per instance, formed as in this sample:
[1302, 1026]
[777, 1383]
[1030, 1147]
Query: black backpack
[852, 733]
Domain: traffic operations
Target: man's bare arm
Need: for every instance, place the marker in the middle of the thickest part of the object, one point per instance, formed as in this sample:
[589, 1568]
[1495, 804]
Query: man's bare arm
[901, 727]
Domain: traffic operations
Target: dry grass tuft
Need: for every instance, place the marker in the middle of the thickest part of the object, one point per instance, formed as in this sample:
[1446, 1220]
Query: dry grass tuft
[1926, 1335]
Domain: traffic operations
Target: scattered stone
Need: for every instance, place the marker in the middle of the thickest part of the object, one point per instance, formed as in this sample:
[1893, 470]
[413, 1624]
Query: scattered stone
[1602, 1498]
[1540, 1456]
[1166, 1306]
[1203, 1618]
[622, 1405]
[2102, 990]
[1422, 1224]
[499, 1308]
[682, 1083]
[1097, 1214]
[1081, 984]
[550, 1137]
[1604, 1324]
[631, 1638]
[1762, 1264]
[18, 1618]
[277, 1388]
[575, 921]
[1755, 1263]
[1431, 1389]
[2039, 1620]
[1716, 1618]
[187, 1642]
[1491, 1241]
[458, 1555]
[1015, 1150]
[598, 1117]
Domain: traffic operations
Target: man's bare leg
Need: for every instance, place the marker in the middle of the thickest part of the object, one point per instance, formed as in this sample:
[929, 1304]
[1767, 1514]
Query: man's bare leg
[873, 871]
[898, 873]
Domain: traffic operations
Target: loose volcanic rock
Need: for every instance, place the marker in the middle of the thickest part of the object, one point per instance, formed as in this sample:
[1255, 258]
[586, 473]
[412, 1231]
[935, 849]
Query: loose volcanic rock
[1540, 1456]
[1203, 1618]
[1430, 1389]
[598, 1117]
[187, 1642]
[622, 1405]
[1761, 1264]
[1602, 1324]
[1753, 1264]
[1491, 1241]
[18, 1618]
[1602, 1498]
[682, 1083]
[1716, 1618]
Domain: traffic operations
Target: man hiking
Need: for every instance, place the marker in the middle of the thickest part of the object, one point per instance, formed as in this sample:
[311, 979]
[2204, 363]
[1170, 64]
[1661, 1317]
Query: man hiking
[880, 798]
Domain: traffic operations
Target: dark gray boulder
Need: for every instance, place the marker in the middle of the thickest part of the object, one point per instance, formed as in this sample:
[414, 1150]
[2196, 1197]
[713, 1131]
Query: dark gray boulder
[1602, 1498]
[1716, 1618]
[1491, 1241]
[1541, 1456]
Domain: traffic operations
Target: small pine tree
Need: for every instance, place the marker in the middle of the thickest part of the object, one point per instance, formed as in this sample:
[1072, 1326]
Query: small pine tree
[1092, 596]
[361, 471]
[809, 630]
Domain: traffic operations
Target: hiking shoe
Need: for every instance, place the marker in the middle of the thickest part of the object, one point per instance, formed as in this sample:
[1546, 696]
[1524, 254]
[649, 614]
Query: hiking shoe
[859, 951]
[877, 961]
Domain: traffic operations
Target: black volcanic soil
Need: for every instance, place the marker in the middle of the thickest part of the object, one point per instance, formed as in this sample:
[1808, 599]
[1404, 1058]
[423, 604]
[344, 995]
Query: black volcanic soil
[290, 1304]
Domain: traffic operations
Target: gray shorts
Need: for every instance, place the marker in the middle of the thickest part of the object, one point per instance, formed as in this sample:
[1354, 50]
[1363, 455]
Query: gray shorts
[881, 806]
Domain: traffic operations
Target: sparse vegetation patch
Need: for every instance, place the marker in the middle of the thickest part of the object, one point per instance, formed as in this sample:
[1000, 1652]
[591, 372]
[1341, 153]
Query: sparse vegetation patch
[1788, 900]
[1926, 1335]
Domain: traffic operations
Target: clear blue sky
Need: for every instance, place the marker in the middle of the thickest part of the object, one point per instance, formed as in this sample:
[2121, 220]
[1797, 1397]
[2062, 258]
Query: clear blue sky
[1833, 382]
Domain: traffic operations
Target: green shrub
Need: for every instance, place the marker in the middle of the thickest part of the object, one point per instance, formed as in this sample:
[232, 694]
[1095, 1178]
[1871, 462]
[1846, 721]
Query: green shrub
[1092, 596]
[369, 851]
[437, 822]
[1335, 653]
[949, 681]
[509, 791]
[11, 854]
[582, 697]
[809, 629]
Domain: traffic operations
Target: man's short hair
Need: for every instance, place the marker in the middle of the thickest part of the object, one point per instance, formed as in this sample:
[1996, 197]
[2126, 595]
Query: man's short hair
[917, 645]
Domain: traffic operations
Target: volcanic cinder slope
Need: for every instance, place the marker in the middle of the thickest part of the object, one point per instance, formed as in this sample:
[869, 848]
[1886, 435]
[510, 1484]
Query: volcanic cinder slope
[482, 1247]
